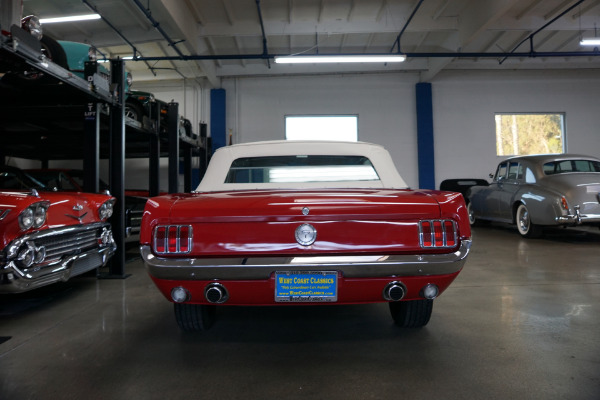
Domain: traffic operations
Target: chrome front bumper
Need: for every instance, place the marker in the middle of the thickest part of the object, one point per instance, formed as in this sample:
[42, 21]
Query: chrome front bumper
[15, 279]
[263, 267]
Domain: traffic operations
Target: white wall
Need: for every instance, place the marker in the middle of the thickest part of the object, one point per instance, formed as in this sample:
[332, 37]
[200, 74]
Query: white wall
[464, 103]
[385, 105]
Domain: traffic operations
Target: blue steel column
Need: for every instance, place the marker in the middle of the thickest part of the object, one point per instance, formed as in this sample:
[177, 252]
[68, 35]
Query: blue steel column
[217, 118]
[426, 161]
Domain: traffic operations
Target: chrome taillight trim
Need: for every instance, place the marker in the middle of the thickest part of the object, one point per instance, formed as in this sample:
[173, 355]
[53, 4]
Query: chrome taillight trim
[165, 240]
[445, 239]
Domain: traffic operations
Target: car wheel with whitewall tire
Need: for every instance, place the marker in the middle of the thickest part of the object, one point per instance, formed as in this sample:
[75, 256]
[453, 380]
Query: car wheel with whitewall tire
[195, 317]
[524, 225]
[472, 219]
[411, 314]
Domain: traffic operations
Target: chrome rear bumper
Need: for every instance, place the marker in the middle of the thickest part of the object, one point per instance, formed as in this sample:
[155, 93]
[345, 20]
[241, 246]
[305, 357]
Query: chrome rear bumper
[578, 218]
[263, 267]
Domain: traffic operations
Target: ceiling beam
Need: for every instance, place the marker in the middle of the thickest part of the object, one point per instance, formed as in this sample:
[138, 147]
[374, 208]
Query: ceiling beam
[476, 17]
[527, 9]
[183, 17]
[557, 9]
[479, 15]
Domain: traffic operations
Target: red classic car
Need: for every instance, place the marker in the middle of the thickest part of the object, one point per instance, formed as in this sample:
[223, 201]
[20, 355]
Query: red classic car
[47, 237]
[296, 222]
[71, 180]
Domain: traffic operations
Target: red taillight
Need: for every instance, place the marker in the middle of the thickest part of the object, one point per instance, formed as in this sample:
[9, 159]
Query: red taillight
[563, 202]
[173, 239]
[438, 233]
[184, 238]
[426, 234]
[450, 233]
[160, 236]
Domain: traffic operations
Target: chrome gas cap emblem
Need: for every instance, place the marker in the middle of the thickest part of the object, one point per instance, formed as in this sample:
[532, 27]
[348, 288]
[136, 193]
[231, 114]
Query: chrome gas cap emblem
[306, 234]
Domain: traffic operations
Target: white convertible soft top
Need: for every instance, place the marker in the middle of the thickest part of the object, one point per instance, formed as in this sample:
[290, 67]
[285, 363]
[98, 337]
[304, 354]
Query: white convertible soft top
[216, 173]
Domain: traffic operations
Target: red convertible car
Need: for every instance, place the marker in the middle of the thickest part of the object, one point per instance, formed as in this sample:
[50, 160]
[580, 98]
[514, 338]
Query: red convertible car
[47, 237]
[297, 222]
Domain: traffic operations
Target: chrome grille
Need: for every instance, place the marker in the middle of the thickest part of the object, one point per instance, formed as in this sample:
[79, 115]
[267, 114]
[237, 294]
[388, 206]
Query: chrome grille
[68, 243]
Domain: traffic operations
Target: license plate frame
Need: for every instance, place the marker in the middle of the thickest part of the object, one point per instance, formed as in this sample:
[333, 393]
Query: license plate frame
[306, 286]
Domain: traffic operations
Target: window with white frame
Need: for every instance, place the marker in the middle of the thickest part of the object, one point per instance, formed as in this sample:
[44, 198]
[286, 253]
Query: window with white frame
[530, 133]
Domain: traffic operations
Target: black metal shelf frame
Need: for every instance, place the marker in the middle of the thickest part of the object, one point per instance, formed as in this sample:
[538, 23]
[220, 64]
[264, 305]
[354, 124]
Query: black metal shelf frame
[62, 116]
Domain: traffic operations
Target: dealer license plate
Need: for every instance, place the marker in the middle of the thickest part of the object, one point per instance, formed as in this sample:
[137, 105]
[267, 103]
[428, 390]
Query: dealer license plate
[306, 286]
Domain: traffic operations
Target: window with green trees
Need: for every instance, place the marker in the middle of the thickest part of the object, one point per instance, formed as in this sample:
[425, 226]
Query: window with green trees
[523, 134]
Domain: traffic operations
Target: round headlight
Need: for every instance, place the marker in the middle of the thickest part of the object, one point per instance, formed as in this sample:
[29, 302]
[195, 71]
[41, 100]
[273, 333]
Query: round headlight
[39, 216]
[106, 210]
[92, 54]
[33, 25]
[129, 79]
[26, 218]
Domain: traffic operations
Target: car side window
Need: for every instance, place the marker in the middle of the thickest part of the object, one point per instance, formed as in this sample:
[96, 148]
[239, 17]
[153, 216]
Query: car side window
[529, 176]
[515, 171]
[501, 172]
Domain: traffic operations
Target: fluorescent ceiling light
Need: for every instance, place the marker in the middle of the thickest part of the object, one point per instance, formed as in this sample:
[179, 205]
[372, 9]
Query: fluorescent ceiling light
[384, 58]
[72, 18]
[593, 41]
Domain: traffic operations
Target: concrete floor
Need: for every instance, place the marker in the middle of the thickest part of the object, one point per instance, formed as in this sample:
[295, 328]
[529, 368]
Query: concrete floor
[522, 321]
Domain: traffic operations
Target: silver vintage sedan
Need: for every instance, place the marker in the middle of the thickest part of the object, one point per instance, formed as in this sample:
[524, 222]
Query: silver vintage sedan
[537, 191]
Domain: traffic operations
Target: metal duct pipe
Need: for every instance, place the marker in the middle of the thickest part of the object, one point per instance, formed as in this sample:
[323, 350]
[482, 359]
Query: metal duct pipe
[262, 27]
[107, 22]
[157, 26]
[408, 55]
[406, 26]
[530, 37]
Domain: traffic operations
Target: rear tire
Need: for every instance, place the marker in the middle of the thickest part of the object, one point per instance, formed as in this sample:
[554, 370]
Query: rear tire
[54, 51]
[411, 314]
[524, 225]
[195, 317]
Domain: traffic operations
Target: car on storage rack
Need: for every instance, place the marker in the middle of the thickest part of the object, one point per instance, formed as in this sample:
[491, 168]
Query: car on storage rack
[301, 222]
[138, 104]
[47, 237]
[142, 106]
[69, 55]
[71, 180]
[534, 192]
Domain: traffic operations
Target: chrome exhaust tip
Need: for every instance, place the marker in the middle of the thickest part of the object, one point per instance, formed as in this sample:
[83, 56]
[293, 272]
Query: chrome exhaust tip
[394, 291]
[216, 293]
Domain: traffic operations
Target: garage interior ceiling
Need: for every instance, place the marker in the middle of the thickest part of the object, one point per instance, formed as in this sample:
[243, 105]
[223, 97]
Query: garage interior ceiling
[196, 39]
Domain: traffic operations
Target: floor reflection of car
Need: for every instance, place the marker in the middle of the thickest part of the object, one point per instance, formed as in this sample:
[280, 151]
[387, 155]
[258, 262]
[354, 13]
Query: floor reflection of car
[294, 222]
[48, 236]
[72, 180]
[537, 191]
